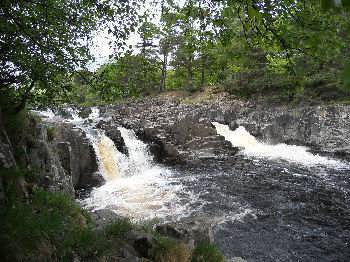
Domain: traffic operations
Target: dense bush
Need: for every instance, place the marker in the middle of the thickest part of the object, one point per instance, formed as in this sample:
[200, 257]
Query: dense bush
[50, 226]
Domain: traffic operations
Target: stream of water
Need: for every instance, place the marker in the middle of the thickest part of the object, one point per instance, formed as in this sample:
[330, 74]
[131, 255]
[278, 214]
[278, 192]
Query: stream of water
[270, 203]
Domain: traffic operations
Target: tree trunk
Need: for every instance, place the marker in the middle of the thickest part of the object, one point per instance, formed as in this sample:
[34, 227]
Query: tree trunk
[201, 41]
[164, 73]
[190, 74]
[203, 71]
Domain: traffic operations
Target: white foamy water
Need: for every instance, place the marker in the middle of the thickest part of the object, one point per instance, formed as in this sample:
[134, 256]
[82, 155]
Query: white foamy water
[108, 157]
[135, 187]
[253, 148]
[48, 113]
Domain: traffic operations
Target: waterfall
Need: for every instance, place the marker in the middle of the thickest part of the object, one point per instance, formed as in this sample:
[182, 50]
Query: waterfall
[107, 155]
[252, 148]
[135, 186]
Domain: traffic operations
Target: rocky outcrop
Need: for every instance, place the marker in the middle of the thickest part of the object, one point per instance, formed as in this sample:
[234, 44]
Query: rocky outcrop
[324, 129]
[192, 230]
[59, 155]
[44, 159]
[111, 130]
[77, 156]
[180, 132]
[8, 163]
[176, 133]
[7, 159]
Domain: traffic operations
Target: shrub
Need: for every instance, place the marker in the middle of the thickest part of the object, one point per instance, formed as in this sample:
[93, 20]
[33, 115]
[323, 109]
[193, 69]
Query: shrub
[118, 228]
[171, 251]
[206, 253]
[51, 227]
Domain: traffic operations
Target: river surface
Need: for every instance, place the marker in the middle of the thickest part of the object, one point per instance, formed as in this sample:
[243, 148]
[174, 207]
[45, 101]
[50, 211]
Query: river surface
[269, 202]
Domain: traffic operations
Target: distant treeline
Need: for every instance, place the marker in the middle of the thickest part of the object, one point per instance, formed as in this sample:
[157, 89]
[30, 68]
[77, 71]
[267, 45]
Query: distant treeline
[287, 48]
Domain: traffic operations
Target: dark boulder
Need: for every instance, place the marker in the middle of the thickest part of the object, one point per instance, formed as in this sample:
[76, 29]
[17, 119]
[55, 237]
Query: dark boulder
[114, 134]
[75, 148]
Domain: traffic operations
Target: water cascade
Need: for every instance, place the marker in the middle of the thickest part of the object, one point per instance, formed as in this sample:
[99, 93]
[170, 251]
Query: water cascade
[251, 147]
[107, 154]
[268, 203]
[135, 187]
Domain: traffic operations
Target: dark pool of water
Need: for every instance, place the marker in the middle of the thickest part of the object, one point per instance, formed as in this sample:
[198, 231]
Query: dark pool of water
[274, 210]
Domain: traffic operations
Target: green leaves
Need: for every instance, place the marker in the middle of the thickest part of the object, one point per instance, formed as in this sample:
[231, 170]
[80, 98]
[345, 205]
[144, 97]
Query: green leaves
[327, 4]
[254, 14]
[43, 39]
[337, 5]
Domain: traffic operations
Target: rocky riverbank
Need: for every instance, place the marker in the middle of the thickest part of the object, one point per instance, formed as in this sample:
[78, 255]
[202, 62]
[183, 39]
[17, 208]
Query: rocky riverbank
[179, 130]
[180, 133]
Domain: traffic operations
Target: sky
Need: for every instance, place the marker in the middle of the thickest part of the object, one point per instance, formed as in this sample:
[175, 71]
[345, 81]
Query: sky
[101, 50]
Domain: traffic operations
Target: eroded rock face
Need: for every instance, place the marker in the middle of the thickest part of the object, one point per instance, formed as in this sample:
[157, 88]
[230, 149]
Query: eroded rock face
[77, 156]
[176, 133]
[43, 158]
[7, 159]
[114, 134]
[64, 160]
[180, 133]
[325, 129]
[193, 230]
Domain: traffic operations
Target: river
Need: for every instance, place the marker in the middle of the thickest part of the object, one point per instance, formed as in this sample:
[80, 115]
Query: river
[269, 202]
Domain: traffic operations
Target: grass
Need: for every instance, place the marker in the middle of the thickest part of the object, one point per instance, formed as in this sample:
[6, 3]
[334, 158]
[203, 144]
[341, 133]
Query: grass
[118, 228]
[169, 250]
[206, 253]
[51, 226]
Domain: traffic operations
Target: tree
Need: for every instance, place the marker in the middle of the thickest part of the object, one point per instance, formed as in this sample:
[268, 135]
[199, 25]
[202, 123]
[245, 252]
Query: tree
[41, 40]
[148, 32]
[128, 76]
[167, 38]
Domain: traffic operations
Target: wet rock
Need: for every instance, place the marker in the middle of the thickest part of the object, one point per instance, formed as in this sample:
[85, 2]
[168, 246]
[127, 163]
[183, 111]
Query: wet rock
[114, 134]
[104, 217]
[75, 148]
[65, 155]
[193, 231]
[187, 128]
[145, 245]
[85, 112]
[233, 125]
[44, 158]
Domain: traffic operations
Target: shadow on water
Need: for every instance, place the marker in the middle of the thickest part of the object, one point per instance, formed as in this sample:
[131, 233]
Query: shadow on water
[275, 210]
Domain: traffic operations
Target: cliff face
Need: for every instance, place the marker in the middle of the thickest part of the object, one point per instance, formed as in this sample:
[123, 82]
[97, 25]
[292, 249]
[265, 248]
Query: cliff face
[59, 155]
[325, 129]
[7, 159]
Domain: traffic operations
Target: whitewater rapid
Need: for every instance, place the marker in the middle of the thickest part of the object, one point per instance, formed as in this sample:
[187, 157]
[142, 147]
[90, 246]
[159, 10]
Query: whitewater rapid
[135, 186]
[251, 147]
